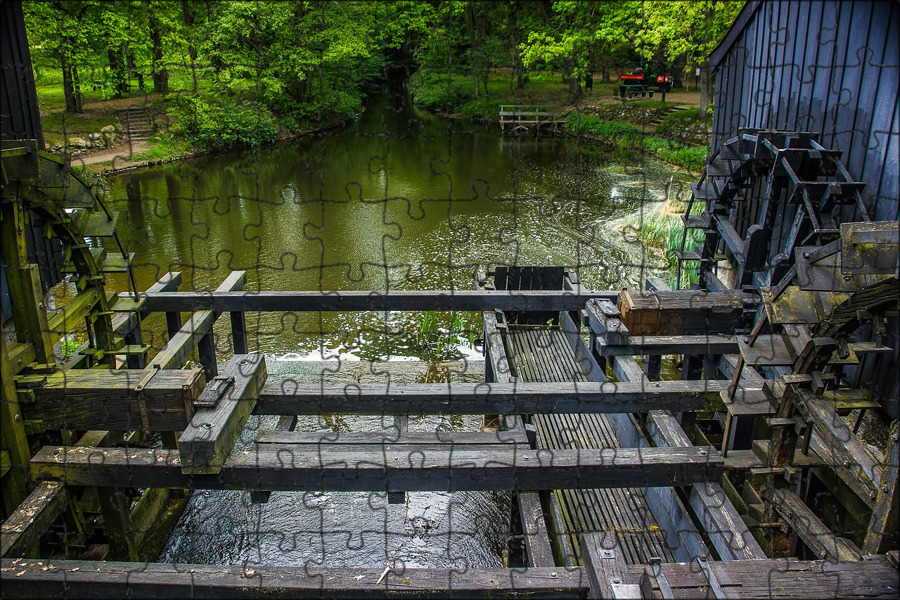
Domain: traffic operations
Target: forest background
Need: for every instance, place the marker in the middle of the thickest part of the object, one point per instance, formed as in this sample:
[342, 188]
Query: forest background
[228, 73]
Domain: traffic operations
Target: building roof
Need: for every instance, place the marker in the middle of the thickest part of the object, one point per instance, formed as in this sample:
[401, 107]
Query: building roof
[734, 32]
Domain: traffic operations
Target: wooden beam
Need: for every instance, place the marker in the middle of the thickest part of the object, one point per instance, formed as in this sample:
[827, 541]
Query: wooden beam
[110, 399]
[291, 398]
[656, 345]
[723, 525]
[538, 549]
[683, 312]
[882, 532]
[25, 526]
[606, 568]
[183, 343]
[15, 441]
[276, 467]
[377, 300]
[100, 579]
[874, 577]
[836, 443]
[212, 433]
[810, 528]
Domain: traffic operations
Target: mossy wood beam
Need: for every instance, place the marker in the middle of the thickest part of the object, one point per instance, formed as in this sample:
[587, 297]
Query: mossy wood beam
[377, 300]
[209, 438]
[25, 526]
[94, 398]
[188, 338]
[810, 528]
[14, 439]
[99, 579]
[337, 468]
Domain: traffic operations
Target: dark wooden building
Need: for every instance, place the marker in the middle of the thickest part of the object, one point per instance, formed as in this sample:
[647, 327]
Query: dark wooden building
[832, 68]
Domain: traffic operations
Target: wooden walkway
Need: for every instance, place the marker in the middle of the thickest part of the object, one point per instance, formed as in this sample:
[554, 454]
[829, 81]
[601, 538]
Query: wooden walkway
[542, 354]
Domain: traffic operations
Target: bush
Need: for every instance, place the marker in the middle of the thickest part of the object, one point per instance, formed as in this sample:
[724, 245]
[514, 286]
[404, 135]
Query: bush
[437, 93]
[218, 121]
[481, 108]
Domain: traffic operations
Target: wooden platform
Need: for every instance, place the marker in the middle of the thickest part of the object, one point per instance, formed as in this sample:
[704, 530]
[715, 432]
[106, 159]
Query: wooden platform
[544, 354]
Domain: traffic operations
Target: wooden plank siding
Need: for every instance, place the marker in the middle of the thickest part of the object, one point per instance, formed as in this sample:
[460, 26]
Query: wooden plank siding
[827, 67]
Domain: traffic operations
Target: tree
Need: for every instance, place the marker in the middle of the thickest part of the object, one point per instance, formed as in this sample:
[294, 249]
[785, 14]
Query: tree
[689, 29]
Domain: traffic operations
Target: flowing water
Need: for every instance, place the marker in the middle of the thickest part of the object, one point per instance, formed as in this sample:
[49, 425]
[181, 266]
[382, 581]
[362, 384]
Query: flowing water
[400, 200]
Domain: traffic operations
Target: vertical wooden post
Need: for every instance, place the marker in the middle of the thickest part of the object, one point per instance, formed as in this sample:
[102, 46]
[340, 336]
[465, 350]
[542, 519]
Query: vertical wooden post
[24, 281]
[12, 434]
[238, 333]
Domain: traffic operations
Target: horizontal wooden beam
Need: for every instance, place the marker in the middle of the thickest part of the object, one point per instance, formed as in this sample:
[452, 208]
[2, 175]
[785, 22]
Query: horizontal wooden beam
[101, 579]
[399, 300]
[288, 398]
[873, 577]
[336, 468]
[642, 345]
[110, 399]
[25, 526]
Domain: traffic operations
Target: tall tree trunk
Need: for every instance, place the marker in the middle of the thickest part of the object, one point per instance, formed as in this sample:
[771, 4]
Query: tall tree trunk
[574, 85]
[71, 84]
[706, 85]
[118, 71]
[679, 65]
[160, 73]
[187, 11]
[473, 46]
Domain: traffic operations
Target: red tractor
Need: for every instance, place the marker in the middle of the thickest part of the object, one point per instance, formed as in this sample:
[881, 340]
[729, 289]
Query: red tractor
[646, 78]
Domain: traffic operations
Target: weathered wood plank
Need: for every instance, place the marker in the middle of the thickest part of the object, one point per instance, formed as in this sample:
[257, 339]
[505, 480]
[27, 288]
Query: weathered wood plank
[873, 577]
[212, 432]
[274, 467]
[108, 399]
[810, 528]
[183, 343]
[655, 345]
[882, 533]
[96, 579]
[606, 568]
[289, 397]
[470, 300]
[683, 312]
[24, 527]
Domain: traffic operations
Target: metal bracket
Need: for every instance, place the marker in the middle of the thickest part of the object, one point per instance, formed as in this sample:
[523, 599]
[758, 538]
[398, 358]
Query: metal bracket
[214, 391]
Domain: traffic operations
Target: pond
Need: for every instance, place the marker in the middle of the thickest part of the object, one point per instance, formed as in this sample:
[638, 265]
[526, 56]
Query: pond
[402, 199]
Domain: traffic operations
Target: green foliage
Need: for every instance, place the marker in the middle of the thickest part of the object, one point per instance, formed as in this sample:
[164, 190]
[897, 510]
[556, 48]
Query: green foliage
[219, 121]
[481, 108]
[437, 93]
[440, 333]
[662, 227]
[691, 158]
[582, 123]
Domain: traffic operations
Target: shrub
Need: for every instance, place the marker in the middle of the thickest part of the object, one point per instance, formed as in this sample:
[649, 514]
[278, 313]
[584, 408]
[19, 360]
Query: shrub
[217, 121]
[481, 108]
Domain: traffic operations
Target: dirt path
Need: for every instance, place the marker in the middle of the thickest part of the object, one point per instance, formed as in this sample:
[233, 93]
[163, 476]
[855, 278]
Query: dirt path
[119, 157]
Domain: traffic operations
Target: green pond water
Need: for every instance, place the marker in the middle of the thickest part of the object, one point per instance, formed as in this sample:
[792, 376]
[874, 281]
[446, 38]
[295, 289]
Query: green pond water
[402, 199]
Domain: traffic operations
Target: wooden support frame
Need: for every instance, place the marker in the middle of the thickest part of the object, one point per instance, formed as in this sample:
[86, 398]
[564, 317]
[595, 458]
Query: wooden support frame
[98, 579]
[275, 467]
[606, 568]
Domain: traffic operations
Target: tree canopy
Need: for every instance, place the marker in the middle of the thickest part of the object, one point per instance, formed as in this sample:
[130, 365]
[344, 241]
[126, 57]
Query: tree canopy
[313, 59]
